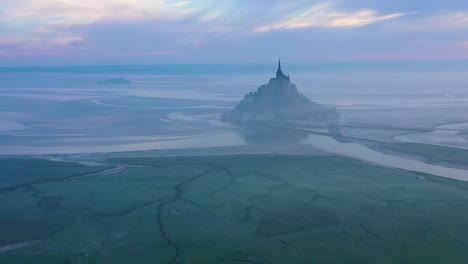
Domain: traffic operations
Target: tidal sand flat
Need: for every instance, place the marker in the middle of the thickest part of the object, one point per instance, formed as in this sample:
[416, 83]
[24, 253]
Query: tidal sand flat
[229, 209]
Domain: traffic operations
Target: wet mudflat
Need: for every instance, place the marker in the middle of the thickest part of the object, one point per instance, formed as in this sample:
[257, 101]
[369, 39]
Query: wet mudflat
[229, 209]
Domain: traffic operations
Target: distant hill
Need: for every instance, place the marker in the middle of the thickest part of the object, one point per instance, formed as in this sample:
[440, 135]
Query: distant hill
[280, 101]
[114, 81]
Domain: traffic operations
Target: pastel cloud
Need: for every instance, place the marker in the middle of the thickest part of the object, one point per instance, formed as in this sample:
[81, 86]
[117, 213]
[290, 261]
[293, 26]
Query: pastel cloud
[453, 19]
[11, 47]
[86, 11]
[438, 21]
[325, 15]
[227, 30]
[462, 44]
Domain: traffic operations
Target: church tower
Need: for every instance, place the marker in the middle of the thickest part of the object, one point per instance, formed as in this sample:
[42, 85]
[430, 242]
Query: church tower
[279, 72]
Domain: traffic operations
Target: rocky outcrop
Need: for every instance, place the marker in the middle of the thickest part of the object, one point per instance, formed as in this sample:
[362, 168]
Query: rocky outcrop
[280, 101]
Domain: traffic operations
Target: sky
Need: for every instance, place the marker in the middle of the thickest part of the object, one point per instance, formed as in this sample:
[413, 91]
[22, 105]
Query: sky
[89, 32]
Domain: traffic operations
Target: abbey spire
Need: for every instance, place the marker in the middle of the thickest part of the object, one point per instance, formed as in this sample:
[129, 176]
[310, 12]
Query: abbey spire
[279, 72]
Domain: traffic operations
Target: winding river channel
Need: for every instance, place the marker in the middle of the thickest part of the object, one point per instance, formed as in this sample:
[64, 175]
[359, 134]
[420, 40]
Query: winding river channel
[361, 152]
[233, 139]
[450, 135]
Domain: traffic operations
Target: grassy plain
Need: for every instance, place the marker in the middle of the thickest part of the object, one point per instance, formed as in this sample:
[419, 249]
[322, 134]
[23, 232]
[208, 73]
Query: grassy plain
[257, 209]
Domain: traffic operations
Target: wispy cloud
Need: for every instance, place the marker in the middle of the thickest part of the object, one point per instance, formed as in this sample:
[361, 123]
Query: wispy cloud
[11, 47]
[463, 44]
[438, 21]
[455, 19]
[228, 30]
[326, 15]
[87, 11]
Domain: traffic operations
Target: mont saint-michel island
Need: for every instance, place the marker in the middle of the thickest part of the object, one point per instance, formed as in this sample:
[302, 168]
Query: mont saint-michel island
[170, 132]
[281, 101]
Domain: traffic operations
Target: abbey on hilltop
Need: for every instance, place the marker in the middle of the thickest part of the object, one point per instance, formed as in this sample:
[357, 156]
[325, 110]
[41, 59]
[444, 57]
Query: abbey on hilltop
[280, 101]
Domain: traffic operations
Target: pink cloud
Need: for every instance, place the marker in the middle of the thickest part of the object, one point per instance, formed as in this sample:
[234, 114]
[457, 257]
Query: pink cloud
[13, 47]
[65, 46]
[143, 53]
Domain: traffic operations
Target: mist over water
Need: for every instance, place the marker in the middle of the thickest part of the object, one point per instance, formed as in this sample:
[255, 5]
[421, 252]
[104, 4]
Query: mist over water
[64, 110]
[301, 132]
[133, 164]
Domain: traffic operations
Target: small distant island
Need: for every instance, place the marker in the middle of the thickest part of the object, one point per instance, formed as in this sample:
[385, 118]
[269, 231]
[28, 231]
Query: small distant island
[280, 101]
[114, 81]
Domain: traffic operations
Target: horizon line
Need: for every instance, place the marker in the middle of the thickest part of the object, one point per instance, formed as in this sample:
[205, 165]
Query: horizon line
[241, 63]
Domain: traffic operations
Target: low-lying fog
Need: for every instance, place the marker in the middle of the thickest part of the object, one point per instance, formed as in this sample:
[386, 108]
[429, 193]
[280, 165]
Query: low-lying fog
[44, 113]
